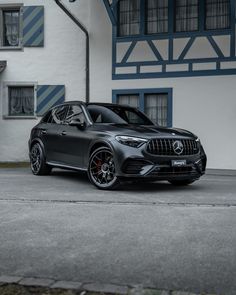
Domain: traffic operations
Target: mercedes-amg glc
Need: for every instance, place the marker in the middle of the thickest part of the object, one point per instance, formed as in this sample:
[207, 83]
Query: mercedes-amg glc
[114, 143]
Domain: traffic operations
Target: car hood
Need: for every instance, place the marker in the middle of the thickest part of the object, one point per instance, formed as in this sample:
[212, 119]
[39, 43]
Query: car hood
[147, 131]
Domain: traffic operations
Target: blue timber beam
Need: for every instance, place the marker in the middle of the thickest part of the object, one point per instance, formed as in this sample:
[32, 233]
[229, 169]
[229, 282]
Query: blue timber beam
[109, 7]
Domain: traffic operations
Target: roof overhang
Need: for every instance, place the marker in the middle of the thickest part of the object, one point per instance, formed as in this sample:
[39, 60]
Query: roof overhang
[3, 65]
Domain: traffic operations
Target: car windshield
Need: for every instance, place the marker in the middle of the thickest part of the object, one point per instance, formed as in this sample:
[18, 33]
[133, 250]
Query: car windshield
[118, 115]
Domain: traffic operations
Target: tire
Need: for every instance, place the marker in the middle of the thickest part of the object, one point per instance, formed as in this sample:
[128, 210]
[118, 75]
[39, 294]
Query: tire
[37, 161]
[101, 169]
[181, 182]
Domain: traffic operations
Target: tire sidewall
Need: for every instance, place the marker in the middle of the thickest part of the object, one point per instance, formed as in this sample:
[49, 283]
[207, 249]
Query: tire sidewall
[42, 164]
[115, 183]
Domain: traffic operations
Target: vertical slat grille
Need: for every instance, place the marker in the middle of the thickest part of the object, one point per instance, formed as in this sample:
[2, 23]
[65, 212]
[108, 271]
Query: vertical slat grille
[164, 147]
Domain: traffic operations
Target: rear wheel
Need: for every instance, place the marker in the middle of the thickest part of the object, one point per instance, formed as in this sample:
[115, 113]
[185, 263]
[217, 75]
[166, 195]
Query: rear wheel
[37, 161]
[101, 169]
[181, 182]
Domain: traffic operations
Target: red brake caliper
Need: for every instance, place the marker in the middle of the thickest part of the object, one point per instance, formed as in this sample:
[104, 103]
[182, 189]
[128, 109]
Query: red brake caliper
[99, 165]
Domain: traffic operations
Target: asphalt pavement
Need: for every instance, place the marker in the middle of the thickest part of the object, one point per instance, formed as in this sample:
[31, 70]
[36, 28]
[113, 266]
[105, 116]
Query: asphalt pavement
[156, 235]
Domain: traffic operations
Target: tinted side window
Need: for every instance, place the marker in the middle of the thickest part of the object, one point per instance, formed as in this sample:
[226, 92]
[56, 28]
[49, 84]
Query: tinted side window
[75, 112]
[47, 117]
[58, 115]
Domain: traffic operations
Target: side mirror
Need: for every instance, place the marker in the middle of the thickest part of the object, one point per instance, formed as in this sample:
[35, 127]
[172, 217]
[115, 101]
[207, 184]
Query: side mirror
[79, 124]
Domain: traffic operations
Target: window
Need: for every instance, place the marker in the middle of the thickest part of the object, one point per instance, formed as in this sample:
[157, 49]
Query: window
[186, 15]
[10, 27]
[131, 100]
[47, 117]
[157, 16]
[155, 103]
[156, 108]
[152, 16]
[75, 112]
[129, 17]
[117, 114]
[58, 115]
[21, 101]
[217, 14]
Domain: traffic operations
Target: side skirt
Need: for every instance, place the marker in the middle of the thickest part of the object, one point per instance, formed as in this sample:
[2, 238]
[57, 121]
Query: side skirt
[57, 165]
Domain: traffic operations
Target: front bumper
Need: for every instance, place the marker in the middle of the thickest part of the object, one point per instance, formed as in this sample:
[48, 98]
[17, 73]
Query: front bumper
[138, 163]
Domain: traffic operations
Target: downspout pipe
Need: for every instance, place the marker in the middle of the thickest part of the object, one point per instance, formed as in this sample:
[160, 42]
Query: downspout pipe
[78, 23]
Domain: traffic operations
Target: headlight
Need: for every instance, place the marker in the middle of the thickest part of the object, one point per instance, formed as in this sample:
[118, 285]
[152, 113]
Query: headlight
[198, 139]
[131, 141]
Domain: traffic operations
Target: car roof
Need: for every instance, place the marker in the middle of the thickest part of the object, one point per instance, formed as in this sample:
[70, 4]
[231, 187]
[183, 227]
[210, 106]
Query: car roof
[105, 104]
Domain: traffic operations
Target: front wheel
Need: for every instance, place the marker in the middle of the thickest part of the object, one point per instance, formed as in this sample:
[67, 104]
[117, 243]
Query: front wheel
[101, 170]
[181, 182]
[37, 161]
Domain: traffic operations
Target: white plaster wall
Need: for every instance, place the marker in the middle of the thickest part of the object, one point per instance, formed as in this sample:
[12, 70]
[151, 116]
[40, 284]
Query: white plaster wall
[60, 61]
[204, 105]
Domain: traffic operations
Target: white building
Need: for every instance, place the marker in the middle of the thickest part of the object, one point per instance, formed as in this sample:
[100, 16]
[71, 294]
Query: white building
[174, 59]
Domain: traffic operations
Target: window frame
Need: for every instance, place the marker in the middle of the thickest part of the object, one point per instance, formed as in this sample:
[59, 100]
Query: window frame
[202, 31]
[5, 101]
[146, 21]
[198, 18]
[10, 7]
[217, 29]
[141, 94]
[118, 21]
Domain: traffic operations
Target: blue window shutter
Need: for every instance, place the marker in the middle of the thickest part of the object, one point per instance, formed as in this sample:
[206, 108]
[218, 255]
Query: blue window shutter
[49, 96]
[33, 26]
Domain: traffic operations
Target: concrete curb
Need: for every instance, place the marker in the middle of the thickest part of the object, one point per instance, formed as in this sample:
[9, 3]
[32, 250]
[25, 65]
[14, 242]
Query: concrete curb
[89, 287]
[221, 172]
[14, 164]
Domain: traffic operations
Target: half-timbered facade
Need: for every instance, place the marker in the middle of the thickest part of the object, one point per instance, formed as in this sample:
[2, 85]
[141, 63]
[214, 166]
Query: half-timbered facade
[173, 59]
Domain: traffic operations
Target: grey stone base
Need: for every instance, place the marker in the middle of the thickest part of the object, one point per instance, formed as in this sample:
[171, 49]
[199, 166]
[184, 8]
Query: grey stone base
[88, 287]
[221, 172]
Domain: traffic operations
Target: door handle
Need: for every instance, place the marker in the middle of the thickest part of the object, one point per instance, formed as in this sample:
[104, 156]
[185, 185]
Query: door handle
[44, 131]
[63, 133]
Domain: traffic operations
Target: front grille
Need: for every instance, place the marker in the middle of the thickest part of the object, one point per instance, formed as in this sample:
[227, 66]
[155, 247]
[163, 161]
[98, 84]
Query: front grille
[164, 147]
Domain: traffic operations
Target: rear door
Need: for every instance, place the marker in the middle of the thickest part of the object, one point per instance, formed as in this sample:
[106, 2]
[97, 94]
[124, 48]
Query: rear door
[54, 135]
[75, 140]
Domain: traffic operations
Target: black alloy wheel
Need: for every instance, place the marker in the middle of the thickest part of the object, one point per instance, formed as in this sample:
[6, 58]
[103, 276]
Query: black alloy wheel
[37, 161]
[101, 169]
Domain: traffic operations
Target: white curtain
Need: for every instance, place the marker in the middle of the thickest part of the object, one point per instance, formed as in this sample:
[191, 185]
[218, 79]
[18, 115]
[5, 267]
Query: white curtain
[156, 108]
[129, 17]
[12, 23]
[21, 101]
[217, 14]
[186, 18]
[131, 100]
[157, 16]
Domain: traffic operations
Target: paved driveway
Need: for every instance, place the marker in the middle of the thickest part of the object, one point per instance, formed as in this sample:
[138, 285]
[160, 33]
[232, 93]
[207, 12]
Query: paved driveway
[61, 227]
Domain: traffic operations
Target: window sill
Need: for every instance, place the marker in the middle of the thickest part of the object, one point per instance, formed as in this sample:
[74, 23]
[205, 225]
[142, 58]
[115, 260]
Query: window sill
[20, 118]
[11, 48]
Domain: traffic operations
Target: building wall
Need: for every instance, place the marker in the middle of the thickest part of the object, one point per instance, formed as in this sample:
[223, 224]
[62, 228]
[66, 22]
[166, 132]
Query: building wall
[60, 61]
[205, 105]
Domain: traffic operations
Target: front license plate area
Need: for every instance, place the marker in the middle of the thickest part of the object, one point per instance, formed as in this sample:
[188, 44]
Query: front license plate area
[178, 163]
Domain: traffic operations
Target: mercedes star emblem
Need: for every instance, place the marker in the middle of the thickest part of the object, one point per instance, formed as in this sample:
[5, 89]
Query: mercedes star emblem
[178, 147]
